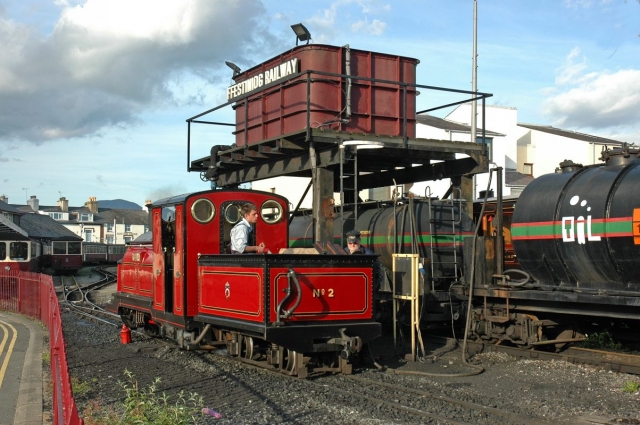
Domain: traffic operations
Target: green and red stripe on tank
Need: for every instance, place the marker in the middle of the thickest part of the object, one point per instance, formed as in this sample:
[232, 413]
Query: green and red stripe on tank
[604, 227]
[383, 240]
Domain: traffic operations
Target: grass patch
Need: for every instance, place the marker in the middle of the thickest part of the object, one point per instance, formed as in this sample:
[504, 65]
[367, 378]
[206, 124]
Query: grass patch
[79, 388]
[631, 387]
[145, 406]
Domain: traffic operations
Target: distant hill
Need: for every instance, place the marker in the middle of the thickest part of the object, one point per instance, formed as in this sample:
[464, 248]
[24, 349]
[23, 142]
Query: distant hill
[119, 204]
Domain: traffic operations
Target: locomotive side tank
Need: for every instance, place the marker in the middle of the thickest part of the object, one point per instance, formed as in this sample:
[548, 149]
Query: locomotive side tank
[580, 228]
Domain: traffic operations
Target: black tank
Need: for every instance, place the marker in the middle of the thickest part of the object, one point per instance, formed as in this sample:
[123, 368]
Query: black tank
[580, 227]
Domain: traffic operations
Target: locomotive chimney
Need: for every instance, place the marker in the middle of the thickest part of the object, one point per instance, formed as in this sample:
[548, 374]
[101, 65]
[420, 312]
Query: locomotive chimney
[92, 205]
[63, 204]
[34, 203]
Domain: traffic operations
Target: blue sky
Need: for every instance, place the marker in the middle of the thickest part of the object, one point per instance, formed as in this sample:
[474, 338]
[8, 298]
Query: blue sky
[94, 94]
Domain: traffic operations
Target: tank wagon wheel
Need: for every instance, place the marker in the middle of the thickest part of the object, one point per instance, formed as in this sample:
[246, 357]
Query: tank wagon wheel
[566, 334]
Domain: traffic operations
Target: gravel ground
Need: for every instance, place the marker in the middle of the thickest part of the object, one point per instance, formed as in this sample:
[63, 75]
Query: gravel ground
[557, 392]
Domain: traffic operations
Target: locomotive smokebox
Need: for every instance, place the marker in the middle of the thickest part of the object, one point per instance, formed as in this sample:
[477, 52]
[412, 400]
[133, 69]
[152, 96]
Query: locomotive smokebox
[581, 227]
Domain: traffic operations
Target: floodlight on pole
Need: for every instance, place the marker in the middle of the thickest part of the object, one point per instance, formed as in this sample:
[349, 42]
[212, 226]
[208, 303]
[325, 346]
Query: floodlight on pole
[234, 67]
[302, 33]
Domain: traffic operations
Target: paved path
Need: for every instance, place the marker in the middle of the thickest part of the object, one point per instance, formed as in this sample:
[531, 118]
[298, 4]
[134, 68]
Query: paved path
[20, 370]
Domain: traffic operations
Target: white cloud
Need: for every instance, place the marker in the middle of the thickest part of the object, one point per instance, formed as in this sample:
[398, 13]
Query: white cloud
[376, 27]
[578, 3]
[571, 71]
[595, 100]
[105, 61]
[327, 23]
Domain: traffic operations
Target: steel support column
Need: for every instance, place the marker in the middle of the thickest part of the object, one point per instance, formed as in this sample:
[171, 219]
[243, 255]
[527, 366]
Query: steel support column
[323, 204]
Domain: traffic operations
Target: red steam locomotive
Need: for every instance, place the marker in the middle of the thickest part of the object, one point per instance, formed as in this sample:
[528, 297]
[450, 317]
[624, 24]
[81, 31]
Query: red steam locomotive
[298, 313]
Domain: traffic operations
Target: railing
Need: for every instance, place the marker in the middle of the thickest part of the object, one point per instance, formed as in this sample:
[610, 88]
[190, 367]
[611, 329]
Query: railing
[33, 294]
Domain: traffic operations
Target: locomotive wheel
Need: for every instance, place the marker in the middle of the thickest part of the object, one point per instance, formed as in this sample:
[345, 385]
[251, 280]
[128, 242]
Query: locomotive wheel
[246, 348]
[290, 362]
[293, 363]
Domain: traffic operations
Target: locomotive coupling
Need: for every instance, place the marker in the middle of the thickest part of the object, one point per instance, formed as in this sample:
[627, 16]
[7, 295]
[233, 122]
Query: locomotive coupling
[350, 345]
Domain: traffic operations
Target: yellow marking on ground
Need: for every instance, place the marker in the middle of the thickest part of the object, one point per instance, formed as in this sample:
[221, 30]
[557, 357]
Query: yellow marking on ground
[5, 364]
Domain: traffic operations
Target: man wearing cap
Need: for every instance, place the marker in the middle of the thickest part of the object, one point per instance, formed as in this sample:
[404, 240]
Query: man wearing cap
[353, 244]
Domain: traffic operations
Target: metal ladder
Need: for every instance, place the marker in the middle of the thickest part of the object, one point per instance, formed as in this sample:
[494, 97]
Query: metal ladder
[348, 188]
[454, 220]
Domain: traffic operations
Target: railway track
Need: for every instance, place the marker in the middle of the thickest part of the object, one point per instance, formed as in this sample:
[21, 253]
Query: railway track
[607, 360]
[420, 403]
[370, 396]
[77, 298]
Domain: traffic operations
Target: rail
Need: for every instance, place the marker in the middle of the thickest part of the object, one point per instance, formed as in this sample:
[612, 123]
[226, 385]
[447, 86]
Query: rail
[33, 294]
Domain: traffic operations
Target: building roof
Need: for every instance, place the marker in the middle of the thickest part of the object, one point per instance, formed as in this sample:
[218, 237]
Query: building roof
[9, 208]
[447, 125]
[143, 239]
[41, 226]
[134, 217]
[10, 230]
[514, 178]
[571, 134]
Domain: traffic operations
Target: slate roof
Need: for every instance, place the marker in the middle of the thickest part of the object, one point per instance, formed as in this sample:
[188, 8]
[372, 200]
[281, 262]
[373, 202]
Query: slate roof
[143, 239]
[514, 178]
[129, 216]
[10, 230]
[42, 226]
[571, 134]
[9, 208]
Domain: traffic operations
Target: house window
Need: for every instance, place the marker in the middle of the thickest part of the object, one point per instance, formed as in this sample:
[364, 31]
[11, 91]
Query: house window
[127, 239]
[109, 227]
[88, 235]
[527, 169]
[489, 142]
[56, 216]
[84, 217]
[127, 228]
[110, 239]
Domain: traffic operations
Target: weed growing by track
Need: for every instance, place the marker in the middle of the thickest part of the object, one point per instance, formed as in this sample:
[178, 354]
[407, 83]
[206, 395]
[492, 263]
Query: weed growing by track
[145, 406]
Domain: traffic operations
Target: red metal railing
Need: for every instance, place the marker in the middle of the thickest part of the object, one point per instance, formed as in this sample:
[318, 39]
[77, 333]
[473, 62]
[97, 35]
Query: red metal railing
[33, 294]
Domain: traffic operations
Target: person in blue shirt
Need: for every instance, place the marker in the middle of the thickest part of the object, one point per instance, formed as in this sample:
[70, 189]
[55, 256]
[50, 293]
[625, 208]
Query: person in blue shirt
[240, 232]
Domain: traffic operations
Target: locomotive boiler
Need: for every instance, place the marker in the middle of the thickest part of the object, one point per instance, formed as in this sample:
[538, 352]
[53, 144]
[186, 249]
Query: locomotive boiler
[434, 229]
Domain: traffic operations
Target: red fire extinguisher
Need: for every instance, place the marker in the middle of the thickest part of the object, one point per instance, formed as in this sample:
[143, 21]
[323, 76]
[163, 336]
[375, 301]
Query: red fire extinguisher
[125, 334]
